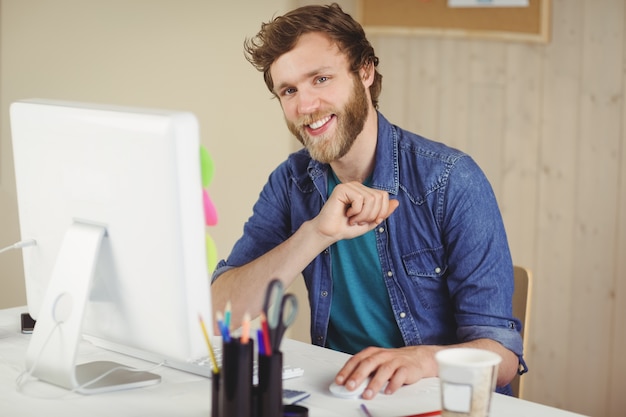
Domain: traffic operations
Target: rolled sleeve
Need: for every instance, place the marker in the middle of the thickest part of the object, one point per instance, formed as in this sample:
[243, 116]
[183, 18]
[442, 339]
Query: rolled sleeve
[509, 337]
[220, 269]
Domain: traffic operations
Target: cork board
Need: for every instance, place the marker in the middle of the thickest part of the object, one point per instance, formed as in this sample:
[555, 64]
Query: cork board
[434, 17]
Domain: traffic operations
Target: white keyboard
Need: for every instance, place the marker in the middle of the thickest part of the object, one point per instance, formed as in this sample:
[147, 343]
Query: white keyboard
[203, 367]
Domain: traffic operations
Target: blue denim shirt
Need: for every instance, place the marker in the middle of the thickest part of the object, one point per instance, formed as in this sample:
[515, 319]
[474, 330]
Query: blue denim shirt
[444, 252]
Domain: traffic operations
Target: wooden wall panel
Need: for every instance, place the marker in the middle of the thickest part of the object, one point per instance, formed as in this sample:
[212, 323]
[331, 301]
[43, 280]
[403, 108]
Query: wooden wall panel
[486, 107]
[453, 115]
[422, 86]
[484, 142]
[596, 202]
[546, 123]
[393, 54]
[554, 264]
[616, 399]
[520, 136]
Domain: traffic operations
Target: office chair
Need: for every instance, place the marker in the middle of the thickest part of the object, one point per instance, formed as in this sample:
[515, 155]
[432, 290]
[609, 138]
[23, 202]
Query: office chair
[521, 310]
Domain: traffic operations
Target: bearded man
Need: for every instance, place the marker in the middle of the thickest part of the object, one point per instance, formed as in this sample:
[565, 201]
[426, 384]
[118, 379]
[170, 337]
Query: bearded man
[399, 238]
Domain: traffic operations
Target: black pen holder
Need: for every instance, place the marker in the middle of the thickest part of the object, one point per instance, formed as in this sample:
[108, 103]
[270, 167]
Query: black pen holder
[270, 387]
[215, 394]
[235, 387]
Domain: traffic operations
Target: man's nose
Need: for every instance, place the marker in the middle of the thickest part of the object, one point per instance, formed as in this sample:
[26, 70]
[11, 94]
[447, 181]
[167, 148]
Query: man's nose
[308, 101]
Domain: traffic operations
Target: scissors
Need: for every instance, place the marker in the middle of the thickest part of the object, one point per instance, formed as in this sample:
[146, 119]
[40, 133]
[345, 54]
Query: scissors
[281, 310]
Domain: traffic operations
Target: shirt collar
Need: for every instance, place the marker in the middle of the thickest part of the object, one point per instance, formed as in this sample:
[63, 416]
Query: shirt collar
[386, 171]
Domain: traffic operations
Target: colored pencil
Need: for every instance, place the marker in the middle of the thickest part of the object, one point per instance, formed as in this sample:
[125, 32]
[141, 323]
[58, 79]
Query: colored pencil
[245, 328]
[214, 366]
[266, 335]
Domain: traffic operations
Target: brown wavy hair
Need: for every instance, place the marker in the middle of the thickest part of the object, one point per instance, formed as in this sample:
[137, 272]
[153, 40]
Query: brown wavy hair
[279, 36]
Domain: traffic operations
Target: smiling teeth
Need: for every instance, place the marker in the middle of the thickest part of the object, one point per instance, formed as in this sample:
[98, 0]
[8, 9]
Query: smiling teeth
[319, 123]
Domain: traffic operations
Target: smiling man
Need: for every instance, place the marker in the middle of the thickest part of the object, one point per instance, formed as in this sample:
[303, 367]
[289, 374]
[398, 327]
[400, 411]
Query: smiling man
[399, 238]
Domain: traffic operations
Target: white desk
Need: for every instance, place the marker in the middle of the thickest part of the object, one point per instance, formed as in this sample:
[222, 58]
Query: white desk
[181, 394]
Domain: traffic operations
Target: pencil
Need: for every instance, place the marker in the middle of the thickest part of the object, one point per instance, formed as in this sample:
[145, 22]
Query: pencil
[260, 343]
[222, 326]
[427, 414]
[245, 328]
[227, 314]
[266, 335]
[216, 369]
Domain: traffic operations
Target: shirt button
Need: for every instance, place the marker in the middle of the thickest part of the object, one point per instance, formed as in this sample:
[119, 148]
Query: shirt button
[402, 315]
[437, 270]
[389, 274]
[324, 293]
[381, 229]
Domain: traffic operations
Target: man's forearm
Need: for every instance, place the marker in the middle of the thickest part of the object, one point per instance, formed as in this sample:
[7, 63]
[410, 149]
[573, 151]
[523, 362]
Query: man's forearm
[245, 286]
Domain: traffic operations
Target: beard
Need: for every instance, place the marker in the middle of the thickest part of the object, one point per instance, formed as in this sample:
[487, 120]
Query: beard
[326, 147]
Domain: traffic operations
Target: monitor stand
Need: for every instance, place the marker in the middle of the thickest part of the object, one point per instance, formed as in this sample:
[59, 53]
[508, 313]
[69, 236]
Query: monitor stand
[51, 354]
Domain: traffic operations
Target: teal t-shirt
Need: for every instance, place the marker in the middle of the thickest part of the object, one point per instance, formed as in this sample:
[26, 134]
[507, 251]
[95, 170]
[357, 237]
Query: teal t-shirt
[361, 313]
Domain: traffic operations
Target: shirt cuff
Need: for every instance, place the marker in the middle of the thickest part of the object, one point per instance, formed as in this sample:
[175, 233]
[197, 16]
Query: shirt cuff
[509, 338]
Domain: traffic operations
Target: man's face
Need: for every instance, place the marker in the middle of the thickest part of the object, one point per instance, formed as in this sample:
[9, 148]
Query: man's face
[324, 103]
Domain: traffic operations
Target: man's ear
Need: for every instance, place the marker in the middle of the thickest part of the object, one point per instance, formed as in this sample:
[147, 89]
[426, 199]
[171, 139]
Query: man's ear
[367, 74]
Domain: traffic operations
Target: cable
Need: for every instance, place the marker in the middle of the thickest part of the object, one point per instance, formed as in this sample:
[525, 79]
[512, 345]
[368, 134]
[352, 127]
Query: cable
[19, 245]
[22, 378]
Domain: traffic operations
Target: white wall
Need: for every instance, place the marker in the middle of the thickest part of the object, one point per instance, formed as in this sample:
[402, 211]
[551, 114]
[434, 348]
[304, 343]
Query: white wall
[183, 55]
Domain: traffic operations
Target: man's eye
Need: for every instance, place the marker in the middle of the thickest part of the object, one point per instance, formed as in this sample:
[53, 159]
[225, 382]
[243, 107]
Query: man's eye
[289, 91]
[321, 80]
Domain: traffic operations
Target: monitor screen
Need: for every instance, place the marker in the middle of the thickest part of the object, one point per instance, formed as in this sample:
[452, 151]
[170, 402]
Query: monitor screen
[113, 198]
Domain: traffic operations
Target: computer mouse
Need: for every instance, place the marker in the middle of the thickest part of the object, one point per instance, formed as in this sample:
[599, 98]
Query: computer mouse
[343, 392]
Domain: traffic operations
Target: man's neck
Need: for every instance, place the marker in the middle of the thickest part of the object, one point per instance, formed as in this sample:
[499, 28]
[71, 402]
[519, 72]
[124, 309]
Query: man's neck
[358, 163]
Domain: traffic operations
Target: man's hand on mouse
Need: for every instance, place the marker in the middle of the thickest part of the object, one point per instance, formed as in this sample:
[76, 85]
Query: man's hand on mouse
[394, 367]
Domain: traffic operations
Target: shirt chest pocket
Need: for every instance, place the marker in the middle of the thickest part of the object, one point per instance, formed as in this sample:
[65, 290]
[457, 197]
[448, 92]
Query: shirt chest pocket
[426, 269]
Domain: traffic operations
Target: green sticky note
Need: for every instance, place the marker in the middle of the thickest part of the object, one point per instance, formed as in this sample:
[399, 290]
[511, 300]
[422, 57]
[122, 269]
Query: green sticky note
[206, 166]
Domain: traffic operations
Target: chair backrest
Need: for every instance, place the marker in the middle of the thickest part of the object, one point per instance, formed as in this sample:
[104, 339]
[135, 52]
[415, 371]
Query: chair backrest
[521, 310]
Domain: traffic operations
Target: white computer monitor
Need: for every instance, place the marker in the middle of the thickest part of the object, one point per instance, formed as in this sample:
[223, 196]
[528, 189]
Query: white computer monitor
[113, 198]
